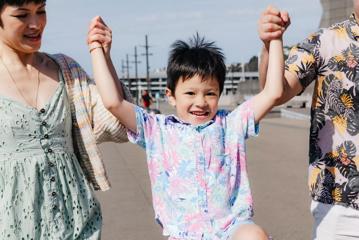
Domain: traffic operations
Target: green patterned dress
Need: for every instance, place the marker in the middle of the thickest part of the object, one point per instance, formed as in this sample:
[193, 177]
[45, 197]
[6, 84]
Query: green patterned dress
[43, 191]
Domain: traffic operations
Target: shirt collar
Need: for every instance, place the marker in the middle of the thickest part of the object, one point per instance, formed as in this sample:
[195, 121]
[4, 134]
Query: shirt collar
[175, 119]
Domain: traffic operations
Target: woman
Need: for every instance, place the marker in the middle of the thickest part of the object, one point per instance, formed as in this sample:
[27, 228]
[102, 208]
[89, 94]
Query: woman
[51, 119]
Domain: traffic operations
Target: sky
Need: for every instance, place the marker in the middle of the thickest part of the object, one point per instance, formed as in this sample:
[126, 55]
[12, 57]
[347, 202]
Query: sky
[232, 24]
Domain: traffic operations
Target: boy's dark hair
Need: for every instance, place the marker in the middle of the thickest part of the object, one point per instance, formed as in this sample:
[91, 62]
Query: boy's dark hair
[198, 57]
[18, 2]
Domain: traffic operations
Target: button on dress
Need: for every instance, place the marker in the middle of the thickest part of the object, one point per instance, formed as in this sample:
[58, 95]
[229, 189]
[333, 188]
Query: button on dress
[43, 192]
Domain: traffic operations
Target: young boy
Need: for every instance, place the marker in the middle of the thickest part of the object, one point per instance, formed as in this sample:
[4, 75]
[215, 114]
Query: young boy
[197, 159]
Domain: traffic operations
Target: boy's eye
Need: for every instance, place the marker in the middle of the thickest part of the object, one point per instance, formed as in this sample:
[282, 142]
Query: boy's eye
[211, 94]
[189, 93]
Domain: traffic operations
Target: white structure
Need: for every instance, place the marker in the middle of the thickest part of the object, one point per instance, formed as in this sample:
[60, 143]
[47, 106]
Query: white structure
[158, 82]
[335, 11]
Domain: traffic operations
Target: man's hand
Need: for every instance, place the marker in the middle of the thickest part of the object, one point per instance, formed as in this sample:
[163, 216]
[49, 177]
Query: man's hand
[272, 24]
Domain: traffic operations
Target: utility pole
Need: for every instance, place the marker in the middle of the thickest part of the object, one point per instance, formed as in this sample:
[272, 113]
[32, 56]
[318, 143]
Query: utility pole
[125, 69]
[147, 64]
[128, 73]
[136, 76]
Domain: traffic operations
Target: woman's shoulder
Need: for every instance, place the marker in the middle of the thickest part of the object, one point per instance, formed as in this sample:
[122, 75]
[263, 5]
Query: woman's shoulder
[61, 60]
[48, 62]
[48, 65]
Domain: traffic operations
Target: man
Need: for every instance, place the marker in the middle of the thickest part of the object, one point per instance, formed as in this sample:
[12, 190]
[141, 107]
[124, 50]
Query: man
[330, 58]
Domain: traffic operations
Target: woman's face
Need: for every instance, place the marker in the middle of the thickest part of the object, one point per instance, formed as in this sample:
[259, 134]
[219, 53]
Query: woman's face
[22, 26]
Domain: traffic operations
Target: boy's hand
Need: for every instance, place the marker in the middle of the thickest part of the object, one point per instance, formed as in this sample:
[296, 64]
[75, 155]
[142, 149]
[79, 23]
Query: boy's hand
[272, 24]
[99, 34]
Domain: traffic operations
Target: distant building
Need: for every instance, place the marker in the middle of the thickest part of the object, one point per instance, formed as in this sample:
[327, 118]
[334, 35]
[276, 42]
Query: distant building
[242, 84]
[335, 11]
[158, 82]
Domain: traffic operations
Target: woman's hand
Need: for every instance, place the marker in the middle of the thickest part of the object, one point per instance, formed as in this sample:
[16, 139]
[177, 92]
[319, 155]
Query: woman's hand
[99, 35]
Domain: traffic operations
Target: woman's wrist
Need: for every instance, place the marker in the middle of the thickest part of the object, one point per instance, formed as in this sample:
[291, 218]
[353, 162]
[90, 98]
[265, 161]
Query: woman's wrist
[94, 46]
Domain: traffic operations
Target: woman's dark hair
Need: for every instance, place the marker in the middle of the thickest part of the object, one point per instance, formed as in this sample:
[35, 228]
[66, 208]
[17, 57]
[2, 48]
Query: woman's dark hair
[197, 57]
[18, 2]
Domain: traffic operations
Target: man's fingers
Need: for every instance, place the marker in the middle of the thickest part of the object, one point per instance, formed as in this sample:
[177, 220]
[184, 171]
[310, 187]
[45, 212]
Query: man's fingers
[272, 19]
[285, 16]
[270, 27]
[272, 10]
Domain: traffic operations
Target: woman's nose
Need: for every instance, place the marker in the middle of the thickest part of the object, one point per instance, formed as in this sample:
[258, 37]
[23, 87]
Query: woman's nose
[34, 22]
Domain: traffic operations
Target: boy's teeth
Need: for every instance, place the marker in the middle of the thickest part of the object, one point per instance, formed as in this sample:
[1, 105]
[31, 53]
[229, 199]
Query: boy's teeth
[198, 113]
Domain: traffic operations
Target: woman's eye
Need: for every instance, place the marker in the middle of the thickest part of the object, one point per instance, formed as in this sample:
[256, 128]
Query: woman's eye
[21, 16]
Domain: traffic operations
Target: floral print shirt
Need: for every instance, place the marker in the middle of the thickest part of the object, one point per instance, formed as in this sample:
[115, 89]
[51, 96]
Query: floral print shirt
[330, 57]
[198, 173]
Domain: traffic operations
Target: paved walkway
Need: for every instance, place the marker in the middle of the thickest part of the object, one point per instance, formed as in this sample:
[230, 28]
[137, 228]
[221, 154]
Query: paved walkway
[277, 170]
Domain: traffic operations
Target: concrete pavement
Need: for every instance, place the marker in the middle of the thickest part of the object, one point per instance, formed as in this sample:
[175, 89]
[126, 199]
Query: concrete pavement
[277, 163]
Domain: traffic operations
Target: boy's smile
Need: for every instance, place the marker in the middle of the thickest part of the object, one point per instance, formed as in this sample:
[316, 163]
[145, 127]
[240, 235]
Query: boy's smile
[196, 99]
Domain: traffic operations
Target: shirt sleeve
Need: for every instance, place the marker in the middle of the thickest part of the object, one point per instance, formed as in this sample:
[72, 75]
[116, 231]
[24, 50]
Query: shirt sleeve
[145, 123]
[302, 59]
[241, 120]
[107, 127]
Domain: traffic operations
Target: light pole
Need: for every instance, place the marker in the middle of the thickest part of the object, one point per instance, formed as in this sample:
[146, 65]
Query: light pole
[146, 46]
[136, 76]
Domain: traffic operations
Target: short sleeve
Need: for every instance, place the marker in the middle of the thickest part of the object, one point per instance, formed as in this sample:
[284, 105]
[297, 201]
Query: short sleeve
[241, 120]
[145, 124]
[302, 59]
[107, 127]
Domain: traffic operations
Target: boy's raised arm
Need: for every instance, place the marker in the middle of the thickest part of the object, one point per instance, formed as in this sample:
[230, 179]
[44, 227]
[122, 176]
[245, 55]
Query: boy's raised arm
[110, 91]
[271, 25]
[273, 89]
[99, 40]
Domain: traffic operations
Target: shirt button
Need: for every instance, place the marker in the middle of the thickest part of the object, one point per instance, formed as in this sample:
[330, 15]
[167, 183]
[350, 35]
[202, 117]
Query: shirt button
[49, 150]
[53, 194]
[42, 110]
[52, 179]
[43, 123]
[51, 164]
[46, 136]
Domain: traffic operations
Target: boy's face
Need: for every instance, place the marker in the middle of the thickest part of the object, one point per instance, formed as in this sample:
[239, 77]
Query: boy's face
[196, 99]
